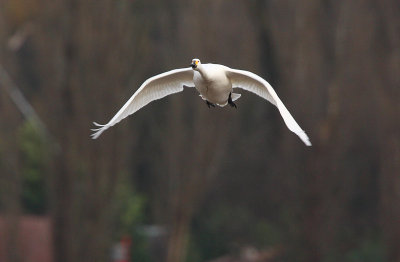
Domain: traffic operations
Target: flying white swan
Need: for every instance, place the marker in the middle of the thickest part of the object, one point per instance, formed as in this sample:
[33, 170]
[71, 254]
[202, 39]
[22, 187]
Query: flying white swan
[214, 83]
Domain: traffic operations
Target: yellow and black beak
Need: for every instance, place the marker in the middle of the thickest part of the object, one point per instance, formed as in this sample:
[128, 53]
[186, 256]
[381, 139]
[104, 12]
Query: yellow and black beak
[193, 64]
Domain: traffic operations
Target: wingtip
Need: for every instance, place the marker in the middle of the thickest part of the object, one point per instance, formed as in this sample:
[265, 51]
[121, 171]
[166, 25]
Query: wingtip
[98, 131]
[303, 136]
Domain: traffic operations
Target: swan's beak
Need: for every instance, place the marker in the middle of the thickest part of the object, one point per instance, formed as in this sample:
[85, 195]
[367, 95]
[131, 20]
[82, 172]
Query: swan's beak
[193, 65]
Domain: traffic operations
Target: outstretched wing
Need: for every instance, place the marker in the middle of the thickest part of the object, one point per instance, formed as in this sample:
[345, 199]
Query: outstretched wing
[154, 88]
[257, 85]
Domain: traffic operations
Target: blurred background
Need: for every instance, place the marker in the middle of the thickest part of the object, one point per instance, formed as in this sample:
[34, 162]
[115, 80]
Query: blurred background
[178, 181]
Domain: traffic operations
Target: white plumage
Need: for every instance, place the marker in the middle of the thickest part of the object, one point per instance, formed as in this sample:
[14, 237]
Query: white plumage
[215, 84]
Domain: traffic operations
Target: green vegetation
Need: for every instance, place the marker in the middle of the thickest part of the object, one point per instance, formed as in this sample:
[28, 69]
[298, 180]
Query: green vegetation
[129, 216]
[34, 157]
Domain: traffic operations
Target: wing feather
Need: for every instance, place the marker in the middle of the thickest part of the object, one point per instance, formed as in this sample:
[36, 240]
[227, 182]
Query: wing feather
[154, 88]
[257, 85]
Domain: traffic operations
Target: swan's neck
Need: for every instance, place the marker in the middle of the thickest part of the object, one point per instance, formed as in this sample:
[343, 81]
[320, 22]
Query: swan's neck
[203, 72]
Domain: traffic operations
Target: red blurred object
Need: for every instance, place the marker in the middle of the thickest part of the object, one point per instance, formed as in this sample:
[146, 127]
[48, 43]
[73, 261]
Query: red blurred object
[121, 250]
[32, 235]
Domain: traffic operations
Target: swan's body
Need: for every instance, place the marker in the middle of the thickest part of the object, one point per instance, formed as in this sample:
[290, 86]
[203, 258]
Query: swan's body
[215, 84]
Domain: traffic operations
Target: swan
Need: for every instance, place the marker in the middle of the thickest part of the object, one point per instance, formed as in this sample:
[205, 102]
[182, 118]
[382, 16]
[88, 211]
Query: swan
[215, 84]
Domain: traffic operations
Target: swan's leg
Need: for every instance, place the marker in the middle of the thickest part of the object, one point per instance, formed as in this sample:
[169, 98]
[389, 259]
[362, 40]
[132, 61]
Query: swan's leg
[230, 102]
[210, 104]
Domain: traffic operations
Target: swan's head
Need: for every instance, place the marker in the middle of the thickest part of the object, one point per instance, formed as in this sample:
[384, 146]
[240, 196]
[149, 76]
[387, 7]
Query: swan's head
[195, 63]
